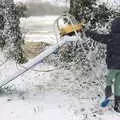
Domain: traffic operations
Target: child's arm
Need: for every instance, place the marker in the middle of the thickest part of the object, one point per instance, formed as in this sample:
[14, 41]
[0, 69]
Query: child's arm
[103, 38]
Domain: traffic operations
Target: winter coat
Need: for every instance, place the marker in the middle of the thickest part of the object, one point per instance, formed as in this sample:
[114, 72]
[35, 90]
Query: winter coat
[112, 40]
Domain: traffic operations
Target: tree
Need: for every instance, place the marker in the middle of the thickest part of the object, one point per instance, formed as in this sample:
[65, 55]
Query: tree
[11, 39]
[92, 11]
[21, 9]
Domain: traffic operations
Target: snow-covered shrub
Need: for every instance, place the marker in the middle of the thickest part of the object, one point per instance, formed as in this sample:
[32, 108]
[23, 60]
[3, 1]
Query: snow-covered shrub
[11, 39]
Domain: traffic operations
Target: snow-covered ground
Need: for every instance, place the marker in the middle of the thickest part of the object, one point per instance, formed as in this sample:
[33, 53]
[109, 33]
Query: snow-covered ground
[43, 95]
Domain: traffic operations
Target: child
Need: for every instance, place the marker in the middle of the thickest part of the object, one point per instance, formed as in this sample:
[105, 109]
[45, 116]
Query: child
[112, 40]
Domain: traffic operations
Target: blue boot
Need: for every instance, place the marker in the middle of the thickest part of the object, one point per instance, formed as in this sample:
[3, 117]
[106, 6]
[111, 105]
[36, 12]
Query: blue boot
[105, 103]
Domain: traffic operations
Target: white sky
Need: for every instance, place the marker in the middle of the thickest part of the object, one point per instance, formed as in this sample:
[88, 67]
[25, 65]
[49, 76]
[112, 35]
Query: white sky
[54, 2]
[38, 1]
[63, 2]
[58, 0]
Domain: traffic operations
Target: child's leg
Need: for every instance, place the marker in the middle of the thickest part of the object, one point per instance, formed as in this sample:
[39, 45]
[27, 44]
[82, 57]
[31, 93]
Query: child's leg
[109, 82]
[110, 77]
[117, 91]
[117, 83]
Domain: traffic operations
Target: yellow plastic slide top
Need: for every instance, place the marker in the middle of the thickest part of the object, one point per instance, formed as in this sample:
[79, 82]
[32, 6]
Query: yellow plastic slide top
[70, 28]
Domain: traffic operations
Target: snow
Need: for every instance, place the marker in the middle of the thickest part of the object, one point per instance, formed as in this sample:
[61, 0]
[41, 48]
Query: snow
[47, 38]
[49, 96]
[43, 107]
[114, 4]
[34, 102]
